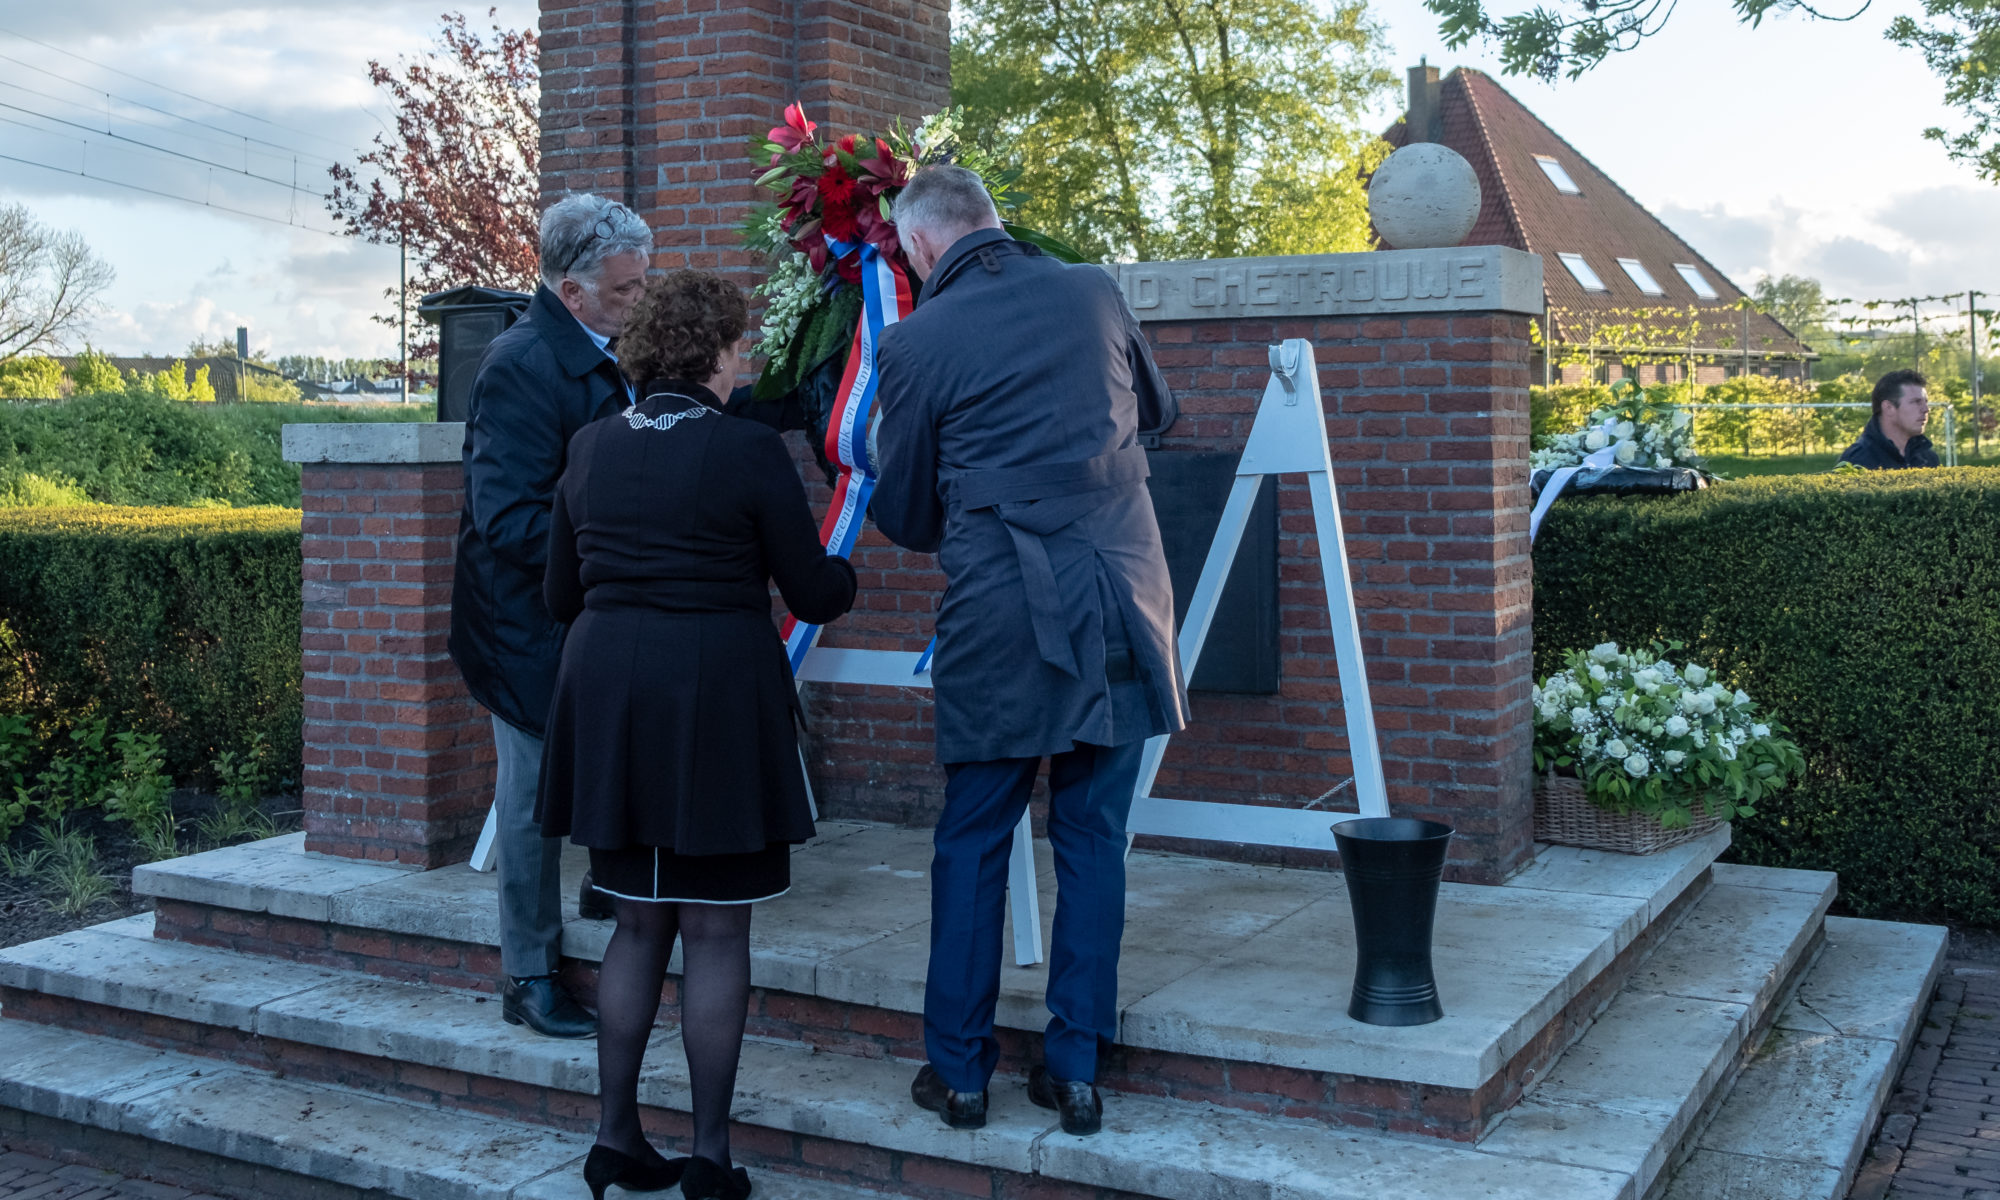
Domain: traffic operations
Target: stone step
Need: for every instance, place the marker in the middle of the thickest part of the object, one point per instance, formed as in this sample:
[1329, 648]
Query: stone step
[1230, 971]
[1797, 1122]
[1603, 1123]
[386, 1146]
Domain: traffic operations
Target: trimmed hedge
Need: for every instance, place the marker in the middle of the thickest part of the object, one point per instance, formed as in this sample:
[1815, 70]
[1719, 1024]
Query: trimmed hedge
[176, 621]
[1865, 610]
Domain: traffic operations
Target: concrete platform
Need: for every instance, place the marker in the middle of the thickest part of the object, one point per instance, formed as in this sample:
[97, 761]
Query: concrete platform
[1623, 1103]
[1222, 960]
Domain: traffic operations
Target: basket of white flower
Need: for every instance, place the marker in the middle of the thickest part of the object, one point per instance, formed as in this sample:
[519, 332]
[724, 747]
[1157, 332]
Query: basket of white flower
[1635, 754]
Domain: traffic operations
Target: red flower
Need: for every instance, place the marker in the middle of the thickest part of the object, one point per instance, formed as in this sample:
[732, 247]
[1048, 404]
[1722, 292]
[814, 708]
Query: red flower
[839, 221]
[849, 268]
[847, 144]
[836, 187]
[796, 131]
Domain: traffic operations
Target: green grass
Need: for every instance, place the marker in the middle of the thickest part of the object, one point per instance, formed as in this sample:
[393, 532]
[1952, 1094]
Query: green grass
[1737, 466]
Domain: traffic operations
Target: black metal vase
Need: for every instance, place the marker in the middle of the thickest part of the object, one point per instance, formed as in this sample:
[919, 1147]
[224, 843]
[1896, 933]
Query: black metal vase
[1393, 865]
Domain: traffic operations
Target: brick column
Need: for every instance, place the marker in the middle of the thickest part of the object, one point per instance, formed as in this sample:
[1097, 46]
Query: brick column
[654, 103]
[398, 759]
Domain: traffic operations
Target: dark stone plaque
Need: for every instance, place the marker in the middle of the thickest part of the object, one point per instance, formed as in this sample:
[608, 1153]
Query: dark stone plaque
[1189, 492]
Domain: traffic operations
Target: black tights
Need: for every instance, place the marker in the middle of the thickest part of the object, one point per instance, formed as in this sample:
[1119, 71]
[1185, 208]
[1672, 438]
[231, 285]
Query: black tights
[715, 994]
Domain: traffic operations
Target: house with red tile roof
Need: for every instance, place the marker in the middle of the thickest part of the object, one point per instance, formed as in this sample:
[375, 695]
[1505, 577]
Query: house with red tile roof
[1626, 295]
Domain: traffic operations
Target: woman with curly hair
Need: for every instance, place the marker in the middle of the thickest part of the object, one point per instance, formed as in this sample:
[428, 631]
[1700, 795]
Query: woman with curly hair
[671, 751]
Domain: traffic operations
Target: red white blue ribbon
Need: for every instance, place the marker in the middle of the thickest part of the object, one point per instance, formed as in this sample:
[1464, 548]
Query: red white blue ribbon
[886, 298]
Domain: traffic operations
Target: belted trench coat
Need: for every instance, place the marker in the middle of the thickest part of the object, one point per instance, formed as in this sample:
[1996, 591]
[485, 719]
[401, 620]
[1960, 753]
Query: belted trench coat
[1011, 402]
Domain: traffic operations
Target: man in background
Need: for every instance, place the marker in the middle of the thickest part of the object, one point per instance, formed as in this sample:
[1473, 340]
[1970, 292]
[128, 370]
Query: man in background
[548, 376]
[1894, 436]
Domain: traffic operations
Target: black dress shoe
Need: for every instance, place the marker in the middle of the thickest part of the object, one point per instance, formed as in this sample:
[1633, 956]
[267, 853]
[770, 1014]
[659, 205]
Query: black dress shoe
[960, 1110]
[706, 1179]
[591, 904]
[606, 1167]
[1081, 1107]
[543, 1006]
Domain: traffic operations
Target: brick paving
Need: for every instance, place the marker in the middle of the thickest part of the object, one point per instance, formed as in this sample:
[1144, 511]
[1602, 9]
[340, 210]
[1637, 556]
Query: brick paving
[25, 1177]
[1940, 1135]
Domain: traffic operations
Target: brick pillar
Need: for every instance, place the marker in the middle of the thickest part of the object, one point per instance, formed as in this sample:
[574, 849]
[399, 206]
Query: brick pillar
[654, 103]
[398, 759]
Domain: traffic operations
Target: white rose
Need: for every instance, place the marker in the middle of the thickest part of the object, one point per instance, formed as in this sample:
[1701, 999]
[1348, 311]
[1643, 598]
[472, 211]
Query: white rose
[1607, 703]
[1617, 748]
[1579, 716]
[1704, 703]
[1575, 689]
[1697, 675]
[1604, 652]
[1689, 701]
[1625, 453]
[1622, 429]
[1677, 726]
[1760, 731]
[1738, 736]
[1647, 676]
[1590, 743]
[1661, 460]
[1594, 440]
[1700, 740]
[1742, 698]
[1598, 672]
[1675, 757]
[1637, 766]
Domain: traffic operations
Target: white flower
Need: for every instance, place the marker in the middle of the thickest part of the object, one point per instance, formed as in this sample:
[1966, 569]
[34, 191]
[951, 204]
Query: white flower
[1617, 748]
[1590, 743]
[1607, 702]
[1737, 735]
[1594, 440]
[1696, 675]
[1722, 693]
[1637, 766]
[1581, 716]
[1704, 703]
[1700, 739]
[1661, 460]
[1760, 731]
[1622, 429]
[1690, 701]
[1604, 652]
[1742, 698]
[1625, 452]
[1675, 757]
[1575, 689]
[1677, 726]
[1598, 672]
[1647, 677]
[1728, 751]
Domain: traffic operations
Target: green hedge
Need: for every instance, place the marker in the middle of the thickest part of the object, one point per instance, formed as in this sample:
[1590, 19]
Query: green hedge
[175, 621]
[1864, 609]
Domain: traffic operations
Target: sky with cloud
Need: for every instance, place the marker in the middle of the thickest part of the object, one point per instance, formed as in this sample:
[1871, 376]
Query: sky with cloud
[1794, 148]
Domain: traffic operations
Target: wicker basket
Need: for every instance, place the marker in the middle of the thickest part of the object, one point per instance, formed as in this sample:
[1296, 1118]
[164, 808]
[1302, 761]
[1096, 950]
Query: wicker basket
[1564, 816]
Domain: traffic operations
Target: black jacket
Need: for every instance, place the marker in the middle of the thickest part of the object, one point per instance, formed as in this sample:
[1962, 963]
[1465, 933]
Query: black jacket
[1012, 399]
[1873, 451]
[540, 382]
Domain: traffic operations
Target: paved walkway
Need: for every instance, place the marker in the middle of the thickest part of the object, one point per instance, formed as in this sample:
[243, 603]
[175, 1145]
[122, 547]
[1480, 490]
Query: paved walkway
[1940, 1139]
[25, 1177]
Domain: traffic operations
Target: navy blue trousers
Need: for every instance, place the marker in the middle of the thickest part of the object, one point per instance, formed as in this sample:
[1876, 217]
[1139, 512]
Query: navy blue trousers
[1090, 796]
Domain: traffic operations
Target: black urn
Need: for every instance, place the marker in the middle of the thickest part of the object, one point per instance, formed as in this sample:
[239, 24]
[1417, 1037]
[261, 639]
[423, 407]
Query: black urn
[1393, 866]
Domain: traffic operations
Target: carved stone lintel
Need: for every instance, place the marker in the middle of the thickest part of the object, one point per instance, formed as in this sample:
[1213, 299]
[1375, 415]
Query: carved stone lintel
[1455, 279]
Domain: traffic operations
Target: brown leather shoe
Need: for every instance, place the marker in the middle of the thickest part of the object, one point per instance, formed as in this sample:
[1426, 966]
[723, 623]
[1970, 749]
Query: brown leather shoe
[960, 1110]
[1082, 1109]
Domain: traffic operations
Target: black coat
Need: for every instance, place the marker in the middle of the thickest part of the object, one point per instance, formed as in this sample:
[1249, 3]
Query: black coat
[1011, 404]
[1874, 451]
[672, 723]
[540, 382]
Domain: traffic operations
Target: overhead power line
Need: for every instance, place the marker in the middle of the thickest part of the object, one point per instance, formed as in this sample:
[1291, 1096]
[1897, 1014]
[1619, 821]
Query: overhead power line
[193, 158]
[240, 212]
[232, 141]
[178, 92]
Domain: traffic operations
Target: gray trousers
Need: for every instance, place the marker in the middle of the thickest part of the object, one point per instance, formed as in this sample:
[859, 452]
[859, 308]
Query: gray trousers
[530, 865]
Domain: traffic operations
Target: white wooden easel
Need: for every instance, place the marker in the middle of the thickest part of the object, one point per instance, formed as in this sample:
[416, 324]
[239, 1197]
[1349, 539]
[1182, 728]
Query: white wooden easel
[1287, 437]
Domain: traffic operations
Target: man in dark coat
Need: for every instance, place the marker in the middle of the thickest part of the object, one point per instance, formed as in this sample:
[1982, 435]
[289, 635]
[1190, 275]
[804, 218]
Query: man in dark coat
[1894, 436]
[1011, 404]
[548, 376]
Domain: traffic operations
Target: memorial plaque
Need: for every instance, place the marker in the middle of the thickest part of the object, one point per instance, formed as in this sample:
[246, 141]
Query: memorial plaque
[1189, 490]
[1458, 279]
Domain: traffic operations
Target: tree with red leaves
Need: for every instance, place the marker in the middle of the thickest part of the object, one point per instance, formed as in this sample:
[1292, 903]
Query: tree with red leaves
[456, 184]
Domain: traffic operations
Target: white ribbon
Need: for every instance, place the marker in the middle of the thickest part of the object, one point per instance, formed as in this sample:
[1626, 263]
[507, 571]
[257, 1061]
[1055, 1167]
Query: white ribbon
[1559, 480]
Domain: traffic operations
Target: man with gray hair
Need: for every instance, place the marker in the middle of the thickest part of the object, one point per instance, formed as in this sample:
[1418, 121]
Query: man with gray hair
[552, 373]
[1012, 401]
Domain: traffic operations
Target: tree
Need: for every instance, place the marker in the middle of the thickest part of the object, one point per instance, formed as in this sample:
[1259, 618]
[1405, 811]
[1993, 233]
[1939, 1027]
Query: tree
[1962, 47]
[1796, 301]
[93, 371]
[50, 282]
[456, 184]
[1154, 129]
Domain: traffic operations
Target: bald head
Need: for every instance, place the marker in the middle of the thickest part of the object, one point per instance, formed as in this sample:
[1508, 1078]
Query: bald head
[939, 206]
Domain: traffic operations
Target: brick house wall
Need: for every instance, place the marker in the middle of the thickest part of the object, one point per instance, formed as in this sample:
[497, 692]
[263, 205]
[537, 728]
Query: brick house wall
[653, 103]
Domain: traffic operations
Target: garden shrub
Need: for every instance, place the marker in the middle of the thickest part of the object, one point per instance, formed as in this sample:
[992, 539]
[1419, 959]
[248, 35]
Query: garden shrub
[1864, 610]
[170, 622]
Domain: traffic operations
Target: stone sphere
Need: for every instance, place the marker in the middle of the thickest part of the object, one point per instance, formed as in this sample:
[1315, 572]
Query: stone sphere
[1424, 195]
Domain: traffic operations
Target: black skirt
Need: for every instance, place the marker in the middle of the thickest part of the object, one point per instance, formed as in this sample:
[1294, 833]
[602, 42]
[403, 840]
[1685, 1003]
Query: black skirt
[674, 730]
[650, 873]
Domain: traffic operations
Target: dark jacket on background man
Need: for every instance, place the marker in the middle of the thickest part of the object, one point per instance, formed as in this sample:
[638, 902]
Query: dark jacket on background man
[540, 382]
[1011, 404]
[1873, 451]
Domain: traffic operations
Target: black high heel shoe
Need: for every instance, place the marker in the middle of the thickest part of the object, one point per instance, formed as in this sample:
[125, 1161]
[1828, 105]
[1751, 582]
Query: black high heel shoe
[606, 1166]
[709, 1180]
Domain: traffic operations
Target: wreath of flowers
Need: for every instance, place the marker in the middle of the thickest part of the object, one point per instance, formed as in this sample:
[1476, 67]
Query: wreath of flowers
[843, 191]
[1640, 431]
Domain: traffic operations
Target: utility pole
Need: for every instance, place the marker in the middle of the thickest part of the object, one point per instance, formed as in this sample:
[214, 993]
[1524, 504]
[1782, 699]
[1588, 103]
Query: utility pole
[1917, 328]
[1972, 346]
[403, 288]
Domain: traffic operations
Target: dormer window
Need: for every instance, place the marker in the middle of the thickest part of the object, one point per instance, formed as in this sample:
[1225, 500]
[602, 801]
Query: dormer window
[1695, 280]
[1581, 272]
[1554, 170]
[1636, 271]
